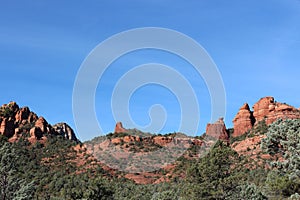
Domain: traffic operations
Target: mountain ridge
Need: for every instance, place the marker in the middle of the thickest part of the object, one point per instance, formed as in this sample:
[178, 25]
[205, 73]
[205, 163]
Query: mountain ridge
[15, 122]
[130, 163]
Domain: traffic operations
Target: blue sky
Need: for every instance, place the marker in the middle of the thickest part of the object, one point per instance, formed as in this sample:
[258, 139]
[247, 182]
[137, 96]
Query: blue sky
[255, 44]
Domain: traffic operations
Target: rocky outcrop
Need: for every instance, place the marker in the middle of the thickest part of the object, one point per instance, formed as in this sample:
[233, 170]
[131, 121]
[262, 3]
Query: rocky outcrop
[119, 128]
[130, 138]
[243, 121]
[116, 140]
[65, 130]
[22, 114]
[15, 122]
[36, 133]
[248, 146]
[7, 112]
[41, 128]
[32, 117]
[265, 109]
[162, 140]
[217, 130]
[42, 124]
[12, 107]
[7, 127]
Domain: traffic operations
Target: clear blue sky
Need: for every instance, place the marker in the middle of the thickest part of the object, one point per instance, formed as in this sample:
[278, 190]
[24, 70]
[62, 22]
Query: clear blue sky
[254, 43]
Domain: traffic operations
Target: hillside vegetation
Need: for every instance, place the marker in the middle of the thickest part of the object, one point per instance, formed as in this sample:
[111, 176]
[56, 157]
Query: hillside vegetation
[41, 161]
[47, 171]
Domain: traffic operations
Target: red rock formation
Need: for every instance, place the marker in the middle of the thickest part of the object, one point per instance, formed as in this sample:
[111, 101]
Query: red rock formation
[7, 127]
[11, 105]
[266, 108]
[42, 124]
[248, 146]
[217, 130]
[130, 138]
[22, 114]
[15, 121]
[162, 140]
[263, 107]
[14, 106]
[125, 139]
[65, 130]
[243, 121]
[119, 128]
[36, 133]
[116, 140]
[46, 128]
[32, 117]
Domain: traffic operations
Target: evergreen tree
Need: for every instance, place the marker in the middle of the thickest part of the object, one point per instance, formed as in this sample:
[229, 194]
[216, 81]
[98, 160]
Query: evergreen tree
[214, 173]
[283, 141]
[12, 186]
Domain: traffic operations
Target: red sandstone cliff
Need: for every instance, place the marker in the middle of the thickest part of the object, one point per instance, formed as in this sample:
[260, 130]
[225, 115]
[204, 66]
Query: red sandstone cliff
[265, 109]
[16, 121]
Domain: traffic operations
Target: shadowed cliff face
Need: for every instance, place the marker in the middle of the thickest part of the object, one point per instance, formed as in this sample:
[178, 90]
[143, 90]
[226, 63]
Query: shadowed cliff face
[265, 109]
[16, 122]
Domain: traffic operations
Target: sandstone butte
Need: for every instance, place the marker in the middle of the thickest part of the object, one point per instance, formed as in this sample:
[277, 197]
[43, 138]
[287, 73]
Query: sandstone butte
[119, 128]
[218, 130]
[15, 120]
[265, 109]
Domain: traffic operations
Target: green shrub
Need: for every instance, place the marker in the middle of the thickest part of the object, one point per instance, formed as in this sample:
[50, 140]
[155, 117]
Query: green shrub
[282, 141]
